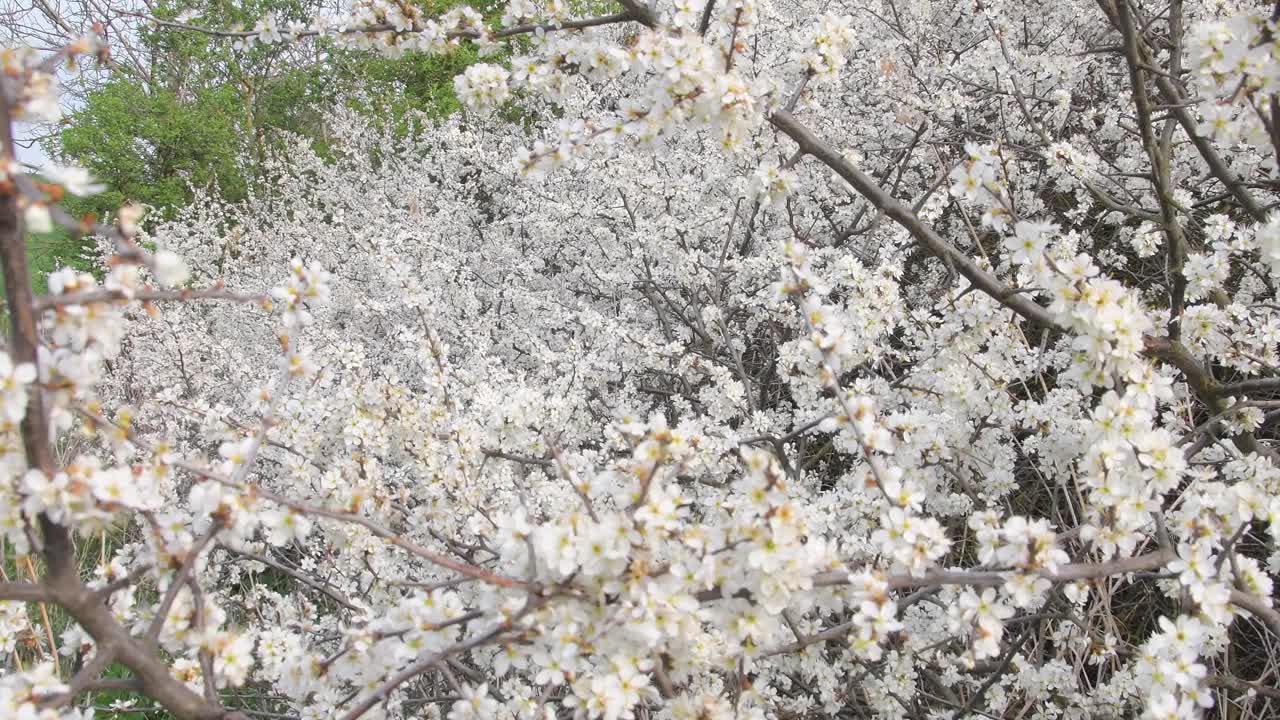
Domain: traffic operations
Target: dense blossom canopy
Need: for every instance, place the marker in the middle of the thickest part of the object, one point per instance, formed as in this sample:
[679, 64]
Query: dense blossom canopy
[885, 358]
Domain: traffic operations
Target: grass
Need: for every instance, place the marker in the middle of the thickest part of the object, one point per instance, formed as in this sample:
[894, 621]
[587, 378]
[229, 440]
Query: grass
[49, 621]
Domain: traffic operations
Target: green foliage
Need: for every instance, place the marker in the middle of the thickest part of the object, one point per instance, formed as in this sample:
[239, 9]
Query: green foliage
[146, 146]
[47, 252]
[591, 8]
[203, 107]
[206, 113]
[412, 82]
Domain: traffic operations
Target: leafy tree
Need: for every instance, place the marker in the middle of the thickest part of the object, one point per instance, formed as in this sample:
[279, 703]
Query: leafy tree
[149, 145]
[204, 111]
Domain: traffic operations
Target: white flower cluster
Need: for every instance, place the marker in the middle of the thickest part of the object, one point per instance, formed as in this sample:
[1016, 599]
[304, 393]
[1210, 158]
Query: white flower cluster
[13, 389]
[686, 82]
[978, 179]
[772, 184]
[482, 86]
[39, 99]
[306, 285]
[1236, 66]
[24, 694]
[13, 625]
[572, 448]
[828, 46]
[1169, 666]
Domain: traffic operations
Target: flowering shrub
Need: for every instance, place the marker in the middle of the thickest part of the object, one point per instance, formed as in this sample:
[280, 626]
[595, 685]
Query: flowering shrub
[915, 362]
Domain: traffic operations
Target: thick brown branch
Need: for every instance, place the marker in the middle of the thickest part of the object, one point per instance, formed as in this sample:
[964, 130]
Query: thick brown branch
[62, 581]
[1249, 387]
[1258, 608]
[23, 592]
[1205, 387]
[86, 607]
[1158, 154]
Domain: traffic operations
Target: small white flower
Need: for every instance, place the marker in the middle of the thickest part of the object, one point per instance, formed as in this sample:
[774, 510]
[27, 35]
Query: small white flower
[284, 526]
[268, 30]
[13, 387]
[76, 180]
[482, 86]
[772, 184]
[38, 218]
[170, 269]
